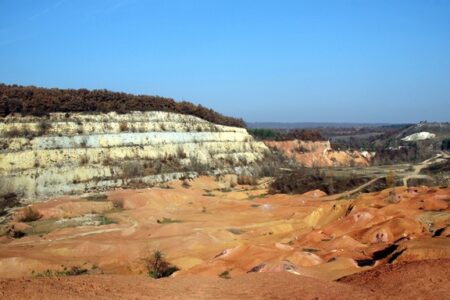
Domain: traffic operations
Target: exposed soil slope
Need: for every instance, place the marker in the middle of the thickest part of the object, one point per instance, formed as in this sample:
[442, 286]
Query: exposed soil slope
[210, 228]
[424, 280]
[251, 286]
[320, 154]
[428, 279]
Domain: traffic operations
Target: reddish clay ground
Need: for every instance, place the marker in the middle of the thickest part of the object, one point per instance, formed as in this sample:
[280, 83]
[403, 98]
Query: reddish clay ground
[412, 280]
[297, 244]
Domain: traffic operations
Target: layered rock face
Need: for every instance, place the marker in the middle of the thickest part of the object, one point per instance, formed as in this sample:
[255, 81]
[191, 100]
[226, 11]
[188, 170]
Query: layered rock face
[320, 154]
[71, 153]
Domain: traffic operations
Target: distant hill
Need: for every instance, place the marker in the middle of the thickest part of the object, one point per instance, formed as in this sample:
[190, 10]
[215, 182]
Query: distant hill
[394, 148]
[440, 129]
[305, 125]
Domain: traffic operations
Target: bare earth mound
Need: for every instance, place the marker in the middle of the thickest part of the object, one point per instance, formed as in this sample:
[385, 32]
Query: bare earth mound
[427, 279]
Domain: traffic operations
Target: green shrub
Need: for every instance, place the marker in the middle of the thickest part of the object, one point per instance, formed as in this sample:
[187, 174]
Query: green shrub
[167, 221]
[104, 220]
[264, 134]
[158, 267]
[73, 271]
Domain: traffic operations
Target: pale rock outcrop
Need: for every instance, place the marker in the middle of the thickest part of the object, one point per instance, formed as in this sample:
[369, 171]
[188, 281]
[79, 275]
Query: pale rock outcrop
[419, 136]
[76, 152]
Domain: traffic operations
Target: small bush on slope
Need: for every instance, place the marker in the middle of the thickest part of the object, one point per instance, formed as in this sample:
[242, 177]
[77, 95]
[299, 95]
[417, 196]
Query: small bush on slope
[158, 267]
[73, 271]
[29, 214]
[9, 200]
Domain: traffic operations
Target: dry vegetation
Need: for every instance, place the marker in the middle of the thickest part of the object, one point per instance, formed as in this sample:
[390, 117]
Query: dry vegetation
[247, 179]
[287, 135]
[302, 180]
[158, 267]
[118, 203]
[32, 100]
[8, 200]
[29, 214]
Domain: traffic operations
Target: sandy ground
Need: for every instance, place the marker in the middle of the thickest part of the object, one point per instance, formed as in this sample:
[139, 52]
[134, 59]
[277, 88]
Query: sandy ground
[295, 244]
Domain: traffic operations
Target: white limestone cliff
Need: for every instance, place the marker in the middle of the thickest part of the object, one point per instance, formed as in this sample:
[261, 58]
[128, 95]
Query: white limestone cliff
[77, 152]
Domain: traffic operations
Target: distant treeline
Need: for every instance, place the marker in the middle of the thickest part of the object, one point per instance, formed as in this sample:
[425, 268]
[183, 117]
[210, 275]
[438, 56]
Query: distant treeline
[37, 101]
[286, 135]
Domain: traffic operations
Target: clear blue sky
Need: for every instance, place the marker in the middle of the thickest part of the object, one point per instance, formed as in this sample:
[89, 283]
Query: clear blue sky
[336, 61]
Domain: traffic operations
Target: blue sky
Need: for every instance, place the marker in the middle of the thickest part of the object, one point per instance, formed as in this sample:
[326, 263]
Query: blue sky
[289, 61]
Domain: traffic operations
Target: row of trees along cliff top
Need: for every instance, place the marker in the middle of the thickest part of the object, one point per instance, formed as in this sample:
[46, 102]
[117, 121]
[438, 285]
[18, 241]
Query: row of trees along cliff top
[30, 100]
[286, 135]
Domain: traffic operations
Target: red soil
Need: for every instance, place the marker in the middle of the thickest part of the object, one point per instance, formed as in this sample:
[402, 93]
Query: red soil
[320, 239]
[413, 280]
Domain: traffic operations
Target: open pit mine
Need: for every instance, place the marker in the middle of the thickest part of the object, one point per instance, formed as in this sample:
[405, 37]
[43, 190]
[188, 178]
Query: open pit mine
[159, 204]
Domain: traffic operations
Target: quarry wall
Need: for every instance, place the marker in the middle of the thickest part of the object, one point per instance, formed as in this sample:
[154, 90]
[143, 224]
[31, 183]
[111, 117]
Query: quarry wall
[65, 153]
[320, 154]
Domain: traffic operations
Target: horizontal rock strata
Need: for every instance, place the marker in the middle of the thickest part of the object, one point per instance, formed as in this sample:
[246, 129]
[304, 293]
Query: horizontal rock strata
[70, 153]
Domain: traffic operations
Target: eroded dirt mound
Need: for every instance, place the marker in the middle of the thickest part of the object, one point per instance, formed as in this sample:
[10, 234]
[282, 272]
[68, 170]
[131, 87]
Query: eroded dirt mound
[428, 279]
[210, 229]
